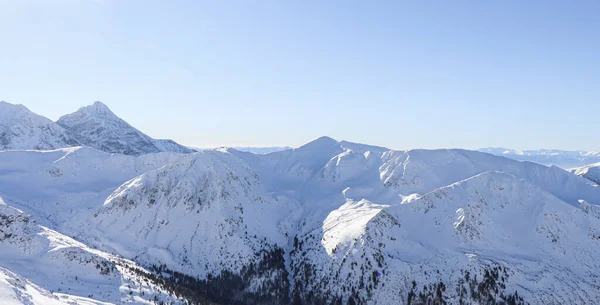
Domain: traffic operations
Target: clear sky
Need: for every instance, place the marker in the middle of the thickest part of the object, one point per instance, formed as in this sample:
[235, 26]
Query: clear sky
[402, 74]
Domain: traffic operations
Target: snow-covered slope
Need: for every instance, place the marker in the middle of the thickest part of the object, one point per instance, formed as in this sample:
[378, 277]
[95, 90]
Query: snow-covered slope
[22, 129]
[561, 158]
[202, 215]
[591, 172]
[96, 126]
[69, 183]
[420, 171]
[170, 211]
[16, 290]
[286, 170]
[512, 235]
[369, 183]
[41, 266]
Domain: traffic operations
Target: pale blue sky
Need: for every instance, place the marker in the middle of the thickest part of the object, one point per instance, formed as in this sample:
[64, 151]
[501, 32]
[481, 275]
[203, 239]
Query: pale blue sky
[402, 74]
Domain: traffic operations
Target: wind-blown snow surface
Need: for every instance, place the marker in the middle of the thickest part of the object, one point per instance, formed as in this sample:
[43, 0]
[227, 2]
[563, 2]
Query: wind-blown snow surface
[96, 126]
[561, 158]
[328, 222]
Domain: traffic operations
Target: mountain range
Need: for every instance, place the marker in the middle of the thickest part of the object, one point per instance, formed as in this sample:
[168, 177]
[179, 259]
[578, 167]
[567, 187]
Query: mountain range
[562, 158]
[329, 222]
[93, 126]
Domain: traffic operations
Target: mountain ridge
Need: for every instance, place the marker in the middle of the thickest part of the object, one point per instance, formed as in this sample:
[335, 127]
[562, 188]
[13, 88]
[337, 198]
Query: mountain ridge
[20, 128]
[329, 222]
[337, 207]
[94, 126]
[97, 126]
[562, 158]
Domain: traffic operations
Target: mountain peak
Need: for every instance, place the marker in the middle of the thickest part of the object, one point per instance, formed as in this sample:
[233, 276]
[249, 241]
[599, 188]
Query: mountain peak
[10, 108]
[99, 105]
[98, 127]
[20, 128]
[97, 112]
[98, 109]
[323, 145]
[323, 141]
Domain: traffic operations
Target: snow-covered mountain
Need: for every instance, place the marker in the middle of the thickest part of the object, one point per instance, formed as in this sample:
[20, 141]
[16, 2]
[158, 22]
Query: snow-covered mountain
[69, 183]
[271, 149]
[325, 223]
[40, 266]
[96, 126]
[591, 172]
[203, 215]
[561, 158]
[514, 236]
[22, 129]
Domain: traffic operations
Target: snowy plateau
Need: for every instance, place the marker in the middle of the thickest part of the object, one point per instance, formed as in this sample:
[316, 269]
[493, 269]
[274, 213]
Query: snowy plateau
[92, 211]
